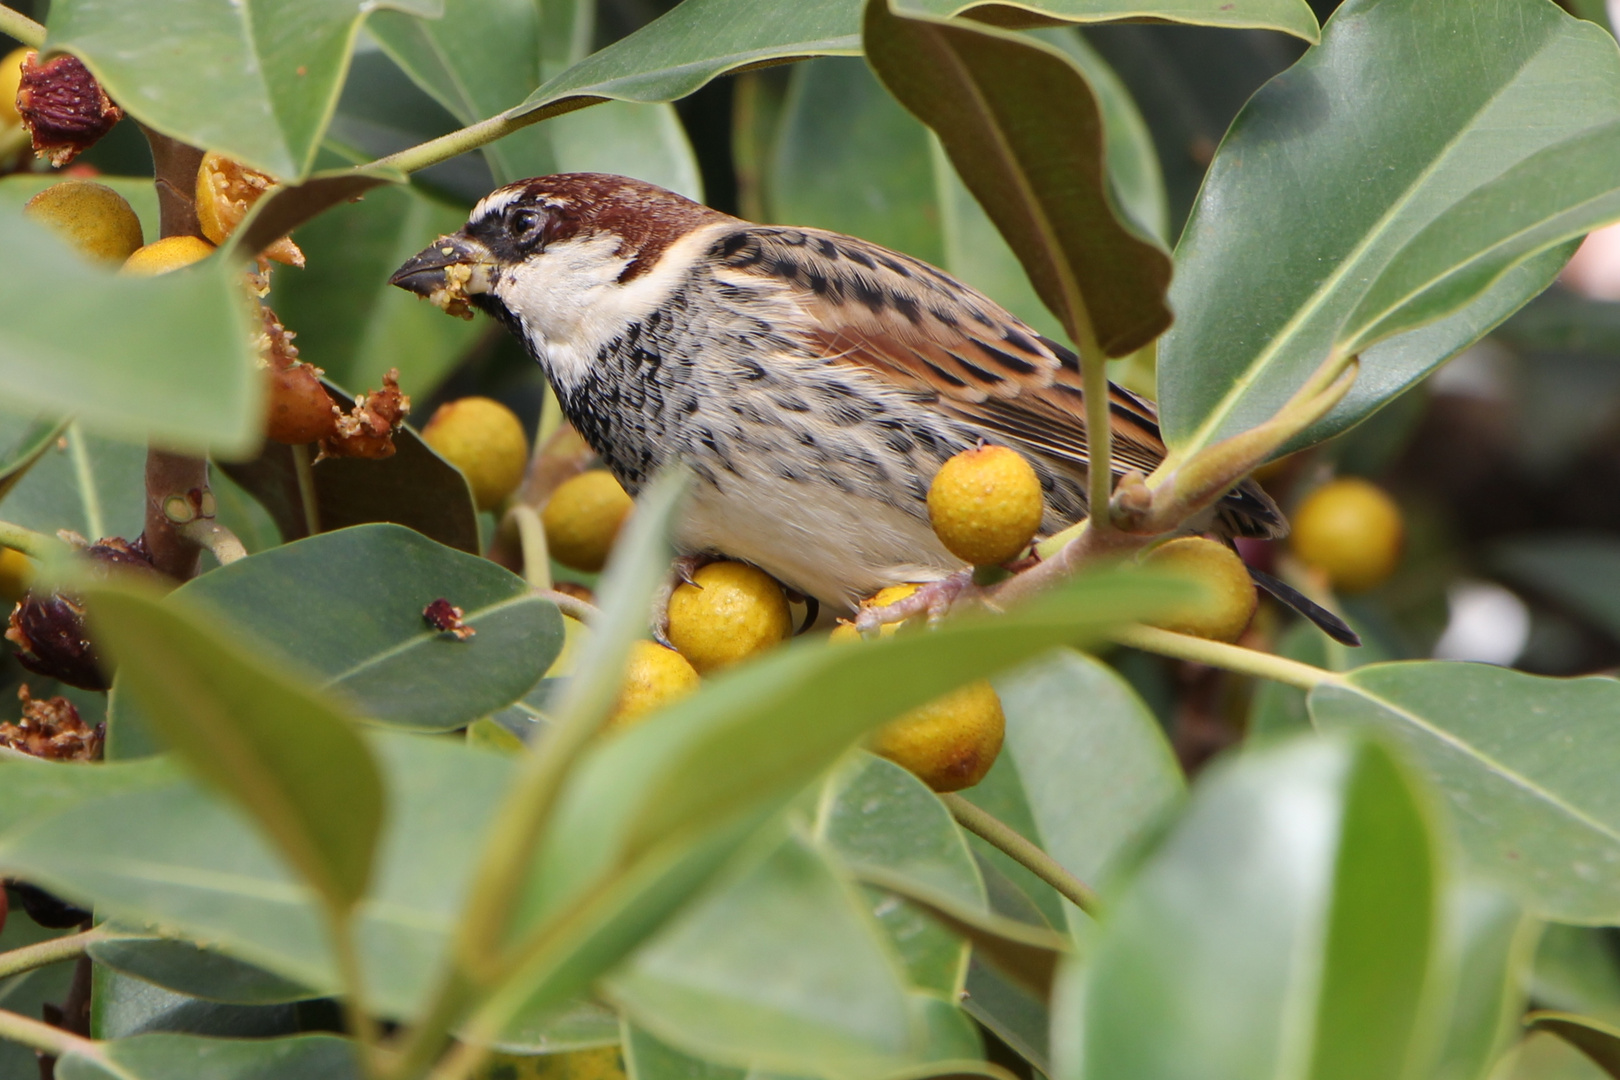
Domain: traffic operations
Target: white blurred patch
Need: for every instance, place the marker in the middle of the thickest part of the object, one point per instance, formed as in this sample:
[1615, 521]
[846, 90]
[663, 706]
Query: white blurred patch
[1482, 370]
[1488, 624]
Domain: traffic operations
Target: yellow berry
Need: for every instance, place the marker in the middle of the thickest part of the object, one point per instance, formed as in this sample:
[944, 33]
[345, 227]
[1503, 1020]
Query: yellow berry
[1351, 531]
[1229, 602]
[733, 612]
[16, 574]
[583, 517]
[949, 743]
[170, 253]
[655, 677]
[486, 441]
[883, 598]
[10, 82]
[985, 505]
[602, 1063]
[92, 217]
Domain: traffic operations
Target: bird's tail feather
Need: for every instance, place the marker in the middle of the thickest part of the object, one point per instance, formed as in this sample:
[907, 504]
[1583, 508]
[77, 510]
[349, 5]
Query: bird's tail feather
[1329, 623]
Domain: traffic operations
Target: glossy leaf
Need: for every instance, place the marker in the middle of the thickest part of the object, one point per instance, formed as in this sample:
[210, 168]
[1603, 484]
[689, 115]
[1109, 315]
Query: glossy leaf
[126, 372]
[779, 966]
[350, 322]
[415, 488]
[283, 753]
[121, 1007]
[483, 57]
[172, 857]
[1490, 944]
[197, 972]
[1290, 16]
[1292, 231]
[1024, 130]
[374, 649]
[1523, 763]
[699, 40]
[93, 486]
[257, 81]
[1576, 971]
[1594, 1038]
[1579, 573]
[1285, 926]
[188, 1057]
[584, 1025]
[1094, 763]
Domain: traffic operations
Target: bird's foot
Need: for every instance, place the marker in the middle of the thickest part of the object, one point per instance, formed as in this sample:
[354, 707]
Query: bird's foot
[680, 573]
[936, 599]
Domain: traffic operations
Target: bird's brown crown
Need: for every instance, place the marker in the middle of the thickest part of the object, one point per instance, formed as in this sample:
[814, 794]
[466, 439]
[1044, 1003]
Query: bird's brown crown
[525, 216]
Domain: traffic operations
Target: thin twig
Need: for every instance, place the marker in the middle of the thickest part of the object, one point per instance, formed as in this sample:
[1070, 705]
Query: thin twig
[51, 951]
[532, 540]
[1229, 657]
[38, 1035]
[571, 606]
[16, 24]
[304, 470]
[459, 142]
[998, 834]
[220, 541]
[34, 545]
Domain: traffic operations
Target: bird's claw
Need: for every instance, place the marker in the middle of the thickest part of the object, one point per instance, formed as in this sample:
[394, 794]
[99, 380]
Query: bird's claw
[934, 599]
[680, 573]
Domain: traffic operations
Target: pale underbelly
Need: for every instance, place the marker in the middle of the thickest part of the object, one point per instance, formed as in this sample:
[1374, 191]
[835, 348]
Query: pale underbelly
[835, 547]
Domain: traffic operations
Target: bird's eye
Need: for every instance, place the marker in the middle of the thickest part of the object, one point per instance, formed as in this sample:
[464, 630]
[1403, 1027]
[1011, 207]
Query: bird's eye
[525, 225]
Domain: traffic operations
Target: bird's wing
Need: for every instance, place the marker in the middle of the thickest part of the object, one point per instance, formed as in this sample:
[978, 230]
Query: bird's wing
[939, 340]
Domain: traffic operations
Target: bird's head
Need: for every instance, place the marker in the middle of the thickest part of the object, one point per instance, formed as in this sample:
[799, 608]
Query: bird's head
[566, 261]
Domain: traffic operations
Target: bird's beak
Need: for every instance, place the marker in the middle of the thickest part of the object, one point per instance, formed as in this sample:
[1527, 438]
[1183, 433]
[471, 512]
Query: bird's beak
[428, 272]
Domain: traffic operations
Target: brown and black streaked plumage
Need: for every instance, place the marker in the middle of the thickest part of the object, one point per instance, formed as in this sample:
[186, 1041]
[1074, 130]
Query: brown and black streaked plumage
[812, 382]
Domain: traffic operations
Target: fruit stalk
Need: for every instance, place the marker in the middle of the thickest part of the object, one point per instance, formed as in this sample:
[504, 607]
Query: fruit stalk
[1219, 654]
[998, 834]
[25, 30]
[46, 952]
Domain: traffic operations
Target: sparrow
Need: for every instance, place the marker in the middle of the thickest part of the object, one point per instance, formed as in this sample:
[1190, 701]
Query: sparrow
[812, 383]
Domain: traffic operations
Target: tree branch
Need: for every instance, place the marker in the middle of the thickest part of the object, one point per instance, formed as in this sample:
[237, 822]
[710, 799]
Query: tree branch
[21, 27]
[54, 950]
[1219, 654]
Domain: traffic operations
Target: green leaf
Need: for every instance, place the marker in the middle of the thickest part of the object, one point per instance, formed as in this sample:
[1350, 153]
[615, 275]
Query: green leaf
[647, 1057]
[121, 1007]
[1094, 763]
[1576, 971]
[1490, 945]
[1594, 1038]
[126, 372]
[188, 1057]
[1279, 709]
[257, 81]
[35, 789]
[281, 752]
[371, 647]
[1523, 762]
[190, 969]
[1293, 228]
[700, 40]
[1579, 573]
[1285, 926]
[349, 320]
[171, 857]
[415, 487]
[777, 966]
[35, 437]
[95, 487]
[1289, 16]
[585, 1025]
[1024, 130]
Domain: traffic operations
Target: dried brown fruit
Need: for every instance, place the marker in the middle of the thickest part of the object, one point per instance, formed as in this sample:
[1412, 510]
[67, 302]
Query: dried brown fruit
[49, 632]
[367, 430]
[226, 191]
[52, 729]
[298, 408]
[63, 107]
[445, 617]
